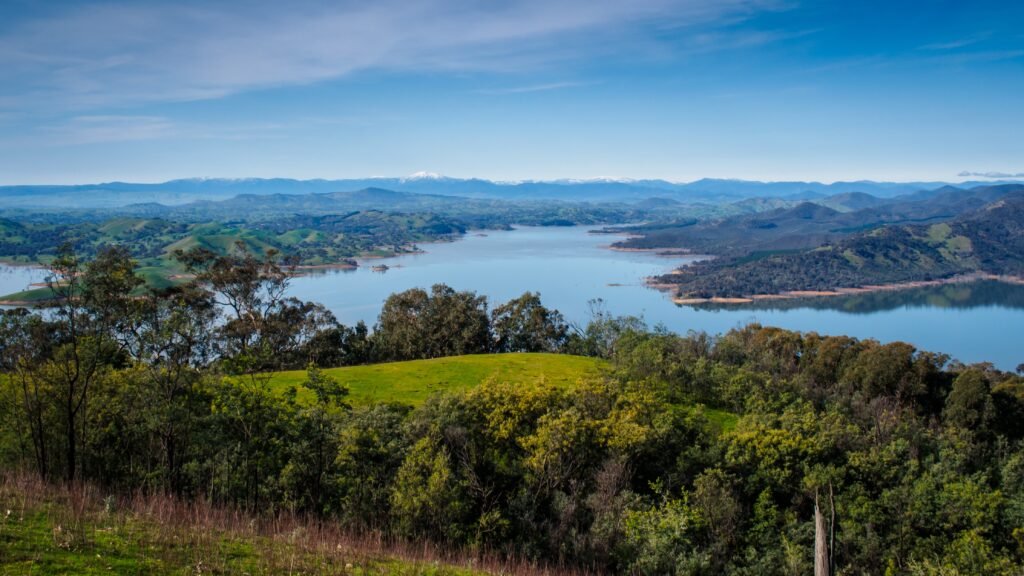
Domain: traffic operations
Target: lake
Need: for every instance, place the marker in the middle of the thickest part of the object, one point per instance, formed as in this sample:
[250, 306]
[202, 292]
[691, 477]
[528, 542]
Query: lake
[19, 278]
[982, 321]
[569, 267]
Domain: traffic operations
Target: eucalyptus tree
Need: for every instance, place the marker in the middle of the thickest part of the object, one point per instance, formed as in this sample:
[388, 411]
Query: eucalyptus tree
[25, 344]
[91, 308]
[525, 325]
[173, 345]
[260, 329]
[444, 322]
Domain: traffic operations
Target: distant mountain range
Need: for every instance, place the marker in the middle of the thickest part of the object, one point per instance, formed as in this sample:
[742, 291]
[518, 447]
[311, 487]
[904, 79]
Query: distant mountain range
[119, 194]
[311, 203]
[471, 212]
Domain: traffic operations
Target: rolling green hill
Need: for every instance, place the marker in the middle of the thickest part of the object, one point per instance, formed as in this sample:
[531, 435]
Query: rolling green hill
[986, 241]
[312, 240]
[413, 381]
[810, 224]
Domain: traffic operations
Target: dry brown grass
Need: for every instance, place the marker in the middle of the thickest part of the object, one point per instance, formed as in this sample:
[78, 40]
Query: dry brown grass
[201, 537]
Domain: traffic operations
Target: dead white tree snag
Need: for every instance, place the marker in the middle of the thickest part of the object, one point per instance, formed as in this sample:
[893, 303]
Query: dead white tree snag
[821, 565]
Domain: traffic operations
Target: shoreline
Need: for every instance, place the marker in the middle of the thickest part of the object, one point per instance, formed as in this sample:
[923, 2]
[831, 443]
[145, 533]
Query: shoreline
[667, 252]
[415, 247]
[314, 267]
[25, 303]
[14, 264]
[866, 289]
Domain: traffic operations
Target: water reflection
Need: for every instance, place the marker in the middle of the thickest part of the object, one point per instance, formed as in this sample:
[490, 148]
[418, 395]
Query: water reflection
[960, 296]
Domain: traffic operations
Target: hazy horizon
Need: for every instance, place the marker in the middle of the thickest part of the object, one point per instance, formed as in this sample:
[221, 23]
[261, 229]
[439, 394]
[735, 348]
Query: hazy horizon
[973, 179]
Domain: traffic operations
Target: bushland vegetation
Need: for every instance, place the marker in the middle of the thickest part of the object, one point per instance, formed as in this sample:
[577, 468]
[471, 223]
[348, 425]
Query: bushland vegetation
[690, 454]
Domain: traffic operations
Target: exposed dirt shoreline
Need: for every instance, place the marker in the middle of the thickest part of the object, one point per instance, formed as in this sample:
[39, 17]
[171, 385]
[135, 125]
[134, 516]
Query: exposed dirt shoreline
[797, 294]
[27, 303]
[655, 251]
[314, 267]
[19, 264]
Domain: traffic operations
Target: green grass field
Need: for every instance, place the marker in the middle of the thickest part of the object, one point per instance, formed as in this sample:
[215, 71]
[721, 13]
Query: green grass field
[414, 381]
[34, 296]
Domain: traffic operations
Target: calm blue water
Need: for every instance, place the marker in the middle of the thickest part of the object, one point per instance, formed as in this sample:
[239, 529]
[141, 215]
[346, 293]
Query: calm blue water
[18, 278]
[569, 267]
[974, 323]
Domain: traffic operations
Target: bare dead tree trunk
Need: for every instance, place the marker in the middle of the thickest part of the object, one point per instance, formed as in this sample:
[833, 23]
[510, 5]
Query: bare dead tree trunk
[831, 529]
[821, 564]
[71, 455]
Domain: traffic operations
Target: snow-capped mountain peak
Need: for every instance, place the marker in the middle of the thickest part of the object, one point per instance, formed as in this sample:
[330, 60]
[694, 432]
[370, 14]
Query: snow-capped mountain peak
[595, 180]
[424, 176]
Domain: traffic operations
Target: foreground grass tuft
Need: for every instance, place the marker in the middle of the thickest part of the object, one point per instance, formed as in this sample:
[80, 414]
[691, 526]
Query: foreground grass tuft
[52, 530]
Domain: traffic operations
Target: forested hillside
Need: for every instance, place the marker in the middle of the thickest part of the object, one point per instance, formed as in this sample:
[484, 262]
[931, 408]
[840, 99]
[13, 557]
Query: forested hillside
[154, 241]
[811, 223]
[682, 455]
[988, 241]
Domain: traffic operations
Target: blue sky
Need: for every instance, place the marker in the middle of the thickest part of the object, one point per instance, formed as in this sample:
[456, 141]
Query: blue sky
[524, 89]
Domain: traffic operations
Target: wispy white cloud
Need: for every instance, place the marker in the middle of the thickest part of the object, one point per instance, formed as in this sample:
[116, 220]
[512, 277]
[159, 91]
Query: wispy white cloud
[104, 128]
[719, 40]
[958, 43]
[94, 129]
[967, 174]
[981, 56]
[970, 49]
[99, 54]
[532, 88]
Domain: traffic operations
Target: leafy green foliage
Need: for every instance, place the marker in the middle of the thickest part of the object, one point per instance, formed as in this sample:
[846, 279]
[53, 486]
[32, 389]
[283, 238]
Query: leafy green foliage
[414, 324]
[525, 325]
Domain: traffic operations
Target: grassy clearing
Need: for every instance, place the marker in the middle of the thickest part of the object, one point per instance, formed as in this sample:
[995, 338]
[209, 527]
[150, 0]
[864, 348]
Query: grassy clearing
[762, 254]
[414, 381]
[939, 232]
[34, 296]
[720, 419]
[52, 530]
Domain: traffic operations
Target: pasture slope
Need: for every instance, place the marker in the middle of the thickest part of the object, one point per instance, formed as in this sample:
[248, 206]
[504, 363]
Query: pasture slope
[414, 381]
